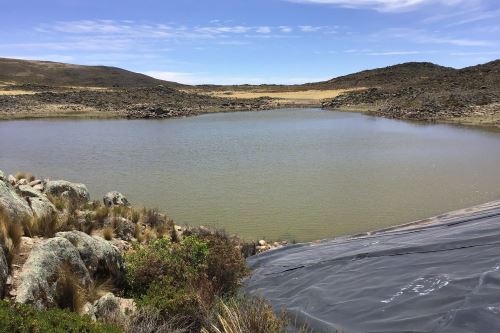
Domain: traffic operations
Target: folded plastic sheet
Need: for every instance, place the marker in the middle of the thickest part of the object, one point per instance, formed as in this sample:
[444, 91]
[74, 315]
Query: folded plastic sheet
[440, 276]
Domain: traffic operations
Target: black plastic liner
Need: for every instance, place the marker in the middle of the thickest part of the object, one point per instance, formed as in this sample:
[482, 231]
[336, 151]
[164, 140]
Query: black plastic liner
[442, 276]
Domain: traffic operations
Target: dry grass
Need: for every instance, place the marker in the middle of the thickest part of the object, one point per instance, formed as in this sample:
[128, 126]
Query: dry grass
[15, 92]
[25, 175]
[316, 95]
[71, 294]
[108, 233]
[10, 236]
[247, 315]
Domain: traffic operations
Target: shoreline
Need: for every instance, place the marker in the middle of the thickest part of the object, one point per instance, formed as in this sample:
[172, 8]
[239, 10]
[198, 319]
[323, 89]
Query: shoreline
[468, 123]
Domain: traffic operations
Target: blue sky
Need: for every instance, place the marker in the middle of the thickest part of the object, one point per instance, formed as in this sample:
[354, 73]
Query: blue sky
[251, 41]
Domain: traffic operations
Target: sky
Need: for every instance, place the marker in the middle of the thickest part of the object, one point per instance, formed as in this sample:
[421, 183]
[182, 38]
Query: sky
[251, 41]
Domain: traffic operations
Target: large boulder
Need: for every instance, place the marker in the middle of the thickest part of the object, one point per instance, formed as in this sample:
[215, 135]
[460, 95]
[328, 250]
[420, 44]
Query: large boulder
[46, 271]
[39, 203]
[115, 198]
[11, 203]
[76, 193]
[4, 271]
[101, 258]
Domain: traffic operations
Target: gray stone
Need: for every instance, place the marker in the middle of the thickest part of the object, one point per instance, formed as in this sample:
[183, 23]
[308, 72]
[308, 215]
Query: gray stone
[99, 256]
[115, 198]
[39, 203]
[16, 207]
[111, 307]
[22, 182]
[11, 180]
[2, 176]
[76, 193]
[41, 278]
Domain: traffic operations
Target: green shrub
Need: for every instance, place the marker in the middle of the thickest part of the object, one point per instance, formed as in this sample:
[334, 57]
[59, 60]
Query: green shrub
[20, 318]
[149, 263]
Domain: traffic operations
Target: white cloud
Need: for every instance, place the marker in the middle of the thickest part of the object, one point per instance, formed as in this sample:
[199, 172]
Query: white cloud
[381, 5]
[309, 28]
[285, 29]
[263, 30]
[423, 37]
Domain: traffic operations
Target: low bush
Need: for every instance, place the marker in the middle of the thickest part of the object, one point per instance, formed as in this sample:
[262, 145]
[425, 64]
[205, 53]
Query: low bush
[20, 318]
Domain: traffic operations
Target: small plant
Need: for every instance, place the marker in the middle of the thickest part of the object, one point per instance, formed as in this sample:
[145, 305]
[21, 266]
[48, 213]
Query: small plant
[24, 175]
[46, 225]
[245, 314]
[58, 202]
[108, 233]
[153, 218]
[22, 318]
[101, 214]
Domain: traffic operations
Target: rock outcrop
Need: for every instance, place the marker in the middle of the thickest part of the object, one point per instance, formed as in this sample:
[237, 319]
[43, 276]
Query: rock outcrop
[100, 257]
[76, 193]
[115, 198]
[39, 203]
[15, 206]
[45, 272]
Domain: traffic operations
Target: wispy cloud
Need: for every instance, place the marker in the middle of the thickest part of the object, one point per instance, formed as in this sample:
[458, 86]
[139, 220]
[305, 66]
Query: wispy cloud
[424, 37]
[381, 5]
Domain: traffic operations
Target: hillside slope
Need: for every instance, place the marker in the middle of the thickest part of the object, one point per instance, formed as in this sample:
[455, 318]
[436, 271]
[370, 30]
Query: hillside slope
[421, 91]
[59, 74]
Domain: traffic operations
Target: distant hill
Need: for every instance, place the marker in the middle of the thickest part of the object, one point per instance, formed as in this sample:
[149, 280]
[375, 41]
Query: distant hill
[410, 72]
[59, 74]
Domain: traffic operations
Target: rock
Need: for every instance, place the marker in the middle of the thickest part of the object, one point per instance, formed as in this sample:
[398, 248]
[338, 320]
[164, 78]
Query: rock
[22, 182]
[100, 257]
[38, 187]
[262, 242]
[41, 279]
[16, 207]
[2, 175]
[110, 306]
[39, 203]
[35, 182]
[115, 198]
[12, 180]
[4, 271]
[76, 193]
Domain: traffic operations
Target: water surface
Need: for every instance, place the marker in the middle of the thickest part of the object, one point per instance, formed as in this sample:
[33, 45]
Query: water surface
[300, 174]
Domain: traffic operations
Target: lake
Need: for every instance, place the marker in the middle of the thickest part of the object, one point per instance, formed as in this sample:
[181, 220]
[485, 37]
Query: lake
[295, 174]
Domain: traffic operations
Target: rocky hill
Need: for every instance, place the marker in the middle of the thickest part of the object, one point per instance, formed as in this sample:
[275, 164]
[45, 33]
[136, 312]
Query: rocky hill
[422, 91]
[58, 74]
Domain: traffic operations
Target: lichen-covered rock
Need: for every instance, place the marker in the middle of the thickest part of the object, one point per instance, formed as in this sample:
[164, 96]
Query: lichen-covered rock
[4, 271]
[110, 306]
[2, 176]
[43, 275]
[101, 258]
[75, 192]
[39, 203]
[115, 198]
[17, 208]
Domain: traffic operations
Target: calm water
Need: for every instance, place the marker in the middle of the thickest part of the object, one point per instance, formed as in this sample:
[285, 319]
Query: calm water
[293, 174]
